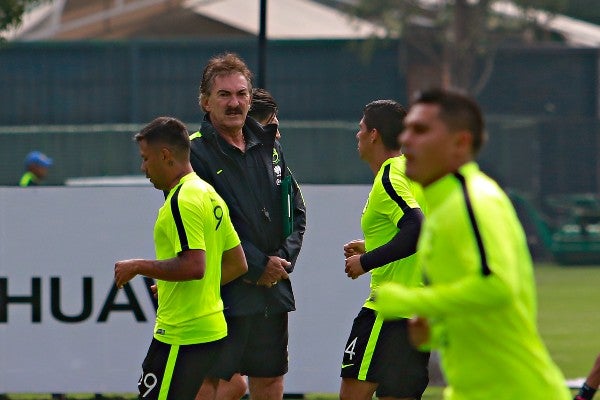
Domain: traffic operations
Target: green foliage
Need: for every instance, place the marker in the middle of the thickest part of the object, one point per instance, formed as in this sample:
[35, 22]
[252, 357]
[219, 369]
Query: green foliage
[11, 12]
[459, 37]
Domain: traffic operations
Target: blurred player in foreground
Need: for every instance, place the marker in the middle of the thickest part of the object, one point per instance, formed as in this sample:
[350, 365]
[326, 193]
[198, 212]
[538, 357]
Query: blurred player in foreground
[479, 303]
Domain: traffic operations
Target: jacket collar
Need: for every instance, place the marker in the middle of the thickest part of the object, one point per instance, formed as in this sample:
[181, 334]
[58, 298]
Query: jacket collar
[265, 135]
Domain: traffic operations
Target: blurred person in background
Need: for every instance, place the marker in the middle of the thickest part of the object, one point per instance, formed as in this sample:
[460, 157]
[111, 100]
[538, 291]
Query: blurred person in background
[378, 357]
[37, 165]
[478, 305]
[245, 163]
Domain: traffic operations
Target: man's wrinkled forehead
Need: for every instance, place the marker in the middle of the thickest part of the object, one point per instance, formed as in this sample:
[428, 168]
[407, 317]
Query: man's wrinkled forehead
[231, 81]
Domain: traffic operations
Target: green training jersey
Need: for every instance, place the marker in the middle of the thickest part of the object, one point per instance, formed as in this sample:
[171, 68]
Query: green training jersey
[480, 299]
[28, 179]
[391, 194]
[193, 217]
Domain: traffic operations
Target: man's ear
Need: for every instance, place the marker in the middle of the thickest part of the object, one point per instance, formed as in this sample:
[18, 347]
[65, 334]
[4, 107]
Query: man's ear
[374, 134]
[166, 153]
[204, 103]
[464, 140]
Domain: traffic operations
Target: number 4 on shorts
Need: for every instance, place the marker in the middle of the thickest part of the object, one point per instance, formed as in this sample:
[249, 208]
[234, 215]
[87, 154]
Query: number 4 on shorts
[350, 348]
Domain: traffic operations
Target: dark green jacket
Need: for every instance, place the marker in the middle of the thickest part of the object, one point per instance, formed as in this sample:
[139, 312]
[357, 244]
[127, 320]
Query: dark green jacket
[256, 214]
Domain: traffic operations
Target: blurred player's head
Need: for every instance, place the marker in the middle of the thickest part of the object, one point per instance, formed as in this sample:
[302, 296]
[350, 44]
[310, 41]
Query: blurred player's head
[38, 163]
[443, 130]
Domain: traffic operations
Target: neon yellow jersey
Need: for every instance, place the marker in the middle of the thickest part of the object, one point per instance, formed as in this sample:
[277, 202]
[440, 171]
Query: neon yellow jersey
[28, 179]
[480, 299]
[193, 217]
[392, 192]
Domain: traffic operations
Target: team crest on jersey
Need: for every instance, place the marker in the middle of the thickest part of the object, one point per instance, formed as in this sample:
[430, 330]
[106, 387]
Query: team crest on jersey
[276, 167]
[277, 172]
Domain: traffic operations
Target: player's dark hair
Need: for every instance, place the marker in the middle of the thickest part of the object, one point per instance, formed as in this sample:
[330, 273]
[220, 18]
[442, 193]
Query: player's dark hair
[458, 111]
[263, 106]
[387, 117]
[166, 130]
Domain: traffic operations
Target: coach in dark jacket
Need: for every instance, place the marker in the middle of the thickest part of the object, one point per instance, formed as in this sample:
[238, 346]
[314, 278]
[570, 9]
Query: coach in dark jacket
[245, 164]
[255, 204]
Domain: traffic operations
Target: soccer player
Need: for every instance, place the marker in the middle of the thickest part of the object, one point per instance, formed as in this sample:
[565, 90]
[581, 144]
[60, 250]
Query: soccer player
[197, 249]
[590, 386]
[378, 356]
[37, 165]
[479, 305]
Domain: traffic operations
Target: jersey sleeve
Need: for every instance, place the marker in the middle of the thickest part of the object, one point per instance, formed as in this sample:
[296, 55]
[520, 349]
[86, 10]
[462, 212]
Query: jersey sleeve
[399, 195]
[195, 218]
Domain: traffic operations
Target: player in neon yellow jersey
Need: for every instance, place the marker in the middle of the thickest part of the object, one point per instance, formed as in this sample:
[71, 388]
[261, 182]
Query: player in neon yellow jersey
[197, 249]
[378, 358]
[479, 305]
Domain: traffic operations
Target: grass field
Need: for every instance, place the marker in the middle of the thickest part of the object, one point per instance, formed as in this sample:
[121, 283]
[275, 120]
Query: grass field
[568, 299]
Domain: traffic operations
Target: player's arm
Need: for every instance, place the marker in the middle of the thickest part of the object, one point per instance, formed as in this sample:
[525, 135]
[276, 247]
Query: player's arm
[402, 245]
[474, 293]
[233, 264]
[188, 265]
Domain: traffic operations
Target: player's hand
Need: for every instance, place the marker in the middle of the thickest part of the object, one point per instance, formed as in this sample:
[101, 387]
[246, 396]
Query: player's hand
[354, 268]
[418, 331]
[354, 247]
[154, 290]
[125, 271]
[274, 271]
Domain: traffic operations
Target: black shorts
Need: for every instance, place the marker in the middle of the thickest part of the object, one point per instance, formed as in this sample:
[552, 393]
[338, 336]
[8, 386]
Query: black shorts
[172, 371]
[256, 346]
[380, 352]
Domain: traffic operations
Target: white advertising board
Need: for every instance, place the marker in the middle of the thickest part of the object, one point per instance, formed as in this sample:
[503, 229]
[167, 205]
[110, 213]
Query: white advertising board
[64, 328]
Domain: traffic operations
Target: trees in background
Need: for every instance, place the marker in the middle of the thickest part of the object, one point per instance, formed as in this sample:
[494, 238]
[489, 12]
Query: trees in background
[11, 13]
[453, 43]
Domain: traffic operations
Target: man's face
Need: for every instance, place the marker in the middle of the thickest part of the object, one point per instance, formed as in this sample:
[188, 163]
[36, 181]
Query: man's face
[364, 136]
[228, 102]
[430, 148]
[272, 119]
[39, 170]
[153, 164]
